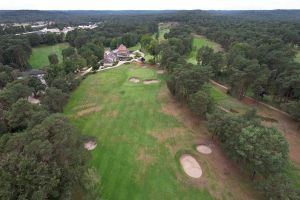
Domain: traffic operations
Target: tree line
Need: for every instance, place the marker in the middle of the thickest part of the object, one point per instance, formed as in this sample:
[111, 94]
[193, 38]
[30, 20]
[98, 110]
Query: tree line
[260, 151]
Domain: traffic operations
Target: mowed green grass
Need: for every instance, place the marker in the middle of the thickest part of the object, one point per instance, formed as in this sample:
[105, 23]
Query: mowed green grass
[132, 162]
[161, 33]
[39, 57]
[136, 47]
[198, 42]
[298, 57]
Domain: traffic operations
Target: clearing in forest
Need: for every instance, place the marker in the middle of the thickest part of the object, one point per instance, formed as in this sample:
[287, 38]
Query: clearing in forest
[141, 132]
[198, 42]
[39, 57]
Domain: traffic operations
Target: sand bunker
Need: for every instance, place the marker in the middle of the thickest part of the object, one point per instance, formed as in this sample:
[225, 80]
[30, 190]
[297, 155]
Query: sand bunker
[90, 145]
[190, 166]
[204, 149]
[134, 80]
[151, 81]
[160, 71]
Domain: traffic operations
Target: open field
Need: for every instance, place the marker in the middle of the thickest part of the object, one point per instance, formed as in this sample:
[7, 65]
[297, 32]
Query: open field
[39, 57]
[141, 131]
[198, 42]
[163, 28]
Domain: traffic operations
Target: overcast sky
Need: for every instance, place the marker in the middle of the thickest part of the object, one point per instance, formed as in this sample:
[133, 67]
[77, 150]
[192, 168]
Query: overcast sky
[149, 4]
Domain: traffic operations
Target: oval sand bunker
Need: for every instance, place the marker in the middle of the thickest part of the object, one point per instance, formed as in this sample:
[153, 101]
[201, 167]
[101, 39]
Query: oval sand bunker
[190, 166]
[91, 145]
[204, 149]
[152, 81]
[134, 80]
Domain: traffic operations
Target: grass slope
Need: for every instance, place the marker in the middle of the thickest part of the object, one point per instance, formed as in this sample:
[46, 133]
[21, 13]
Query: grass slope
[298, 57]
[39, 57]
[136, 47]
[198, 42]
[133, 161]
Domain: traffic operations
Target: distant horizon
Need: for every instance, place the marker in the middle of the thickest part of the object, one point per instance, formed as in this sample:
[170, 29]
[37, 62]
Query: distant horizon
[156, 10]
[116, 5]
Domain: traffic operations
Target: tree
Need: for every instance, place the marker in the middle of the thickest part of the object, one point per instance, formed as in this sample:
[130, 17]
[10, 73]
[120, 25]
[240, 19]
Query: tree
[36, 85]
[153, 49]
[68, 52]
[53, 59]
[188, 80]
[278, 187]
[20, 115]
[263, 150]
[43, 163]
[201, 102]
[294, 111]
[145, 41]
[205, 55]
[12, 92]
[54, 100]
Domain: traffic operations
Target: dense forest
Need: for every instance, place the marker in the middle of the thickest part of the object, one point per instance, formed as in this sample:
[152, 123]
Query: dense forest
[42, 155]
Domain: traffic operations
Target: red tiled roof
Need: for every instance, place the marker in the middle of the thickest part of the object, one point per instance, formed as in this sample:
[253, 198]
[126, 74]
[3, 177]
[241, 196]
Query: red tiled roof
[122, 48]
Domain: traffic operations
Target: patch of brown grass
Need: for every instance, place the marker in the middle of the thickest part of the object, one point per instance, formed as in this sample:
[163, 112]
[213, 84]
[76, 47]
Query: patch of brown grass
[88, 111]
[112, 114]
[147, 159]
[85, 106]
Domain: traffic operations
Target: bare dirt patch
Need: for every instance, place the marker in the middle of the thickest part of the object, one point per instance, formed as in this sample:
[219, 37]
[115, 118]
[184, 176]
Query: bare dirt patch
[204, 149]
[90, 145]
[88, 111]
[150, 81]
[190, 166]
[134, 80]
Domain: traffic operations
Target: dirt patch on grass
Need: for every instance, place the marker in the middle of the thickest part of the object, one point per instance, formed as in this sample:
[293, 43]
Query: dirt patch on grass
[88, 111]
[144, 155]
[190, 166]
[151, 81]
[134, 80]
[85, 106]
[146, 158]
